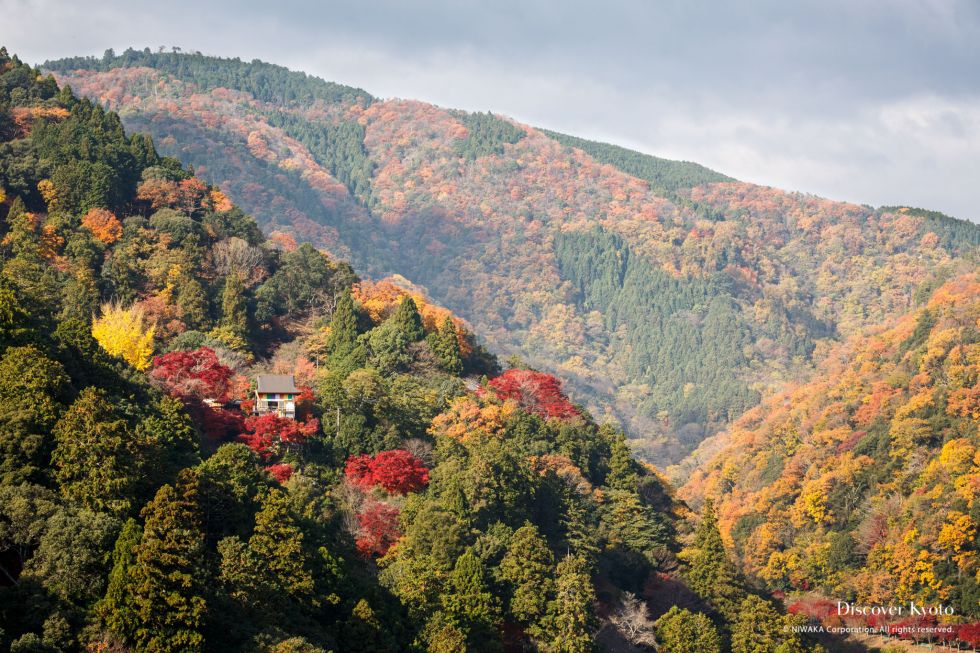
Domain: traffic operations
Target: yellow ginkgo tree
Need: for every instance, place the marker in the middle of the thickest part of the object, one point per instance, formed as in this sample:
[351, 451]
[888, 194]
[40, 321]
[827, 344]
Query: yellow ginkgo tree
[123, 332]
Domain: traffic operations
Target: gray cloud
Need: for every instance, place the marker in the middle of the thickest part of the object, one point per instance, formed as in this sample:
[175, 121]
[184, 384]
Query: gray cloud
[875, 101]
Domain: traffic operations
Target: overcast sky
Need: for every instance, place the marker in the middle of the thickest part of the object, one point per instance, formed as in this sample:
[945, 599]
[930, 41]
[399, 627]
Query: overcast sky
[872, 101]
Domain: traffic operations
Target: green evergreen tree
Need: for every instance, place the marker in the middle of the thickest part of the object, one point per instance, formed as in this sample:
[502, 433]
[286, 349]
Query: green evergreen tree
[193, 304]
[95, 457]
[759, 628]
[624, 471]
[571, 618]
[528, 569]
[168, 442]
[70, 562]
[343, 328]
[470, 605]
[32, 392]
[681, 631]
[363, 631]
[277, 547]
[711, 574]
[169, 576]
[117, 611]
[441, 635]
[445, 345]
[408, 321]
[14, 320]
[628, 522]
[234, 312]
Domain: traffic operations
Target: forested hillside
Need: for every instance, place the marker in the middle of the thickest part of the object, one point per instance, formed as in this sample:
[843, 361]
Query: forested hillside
[862, 484]
[422, 499]
[506, 225]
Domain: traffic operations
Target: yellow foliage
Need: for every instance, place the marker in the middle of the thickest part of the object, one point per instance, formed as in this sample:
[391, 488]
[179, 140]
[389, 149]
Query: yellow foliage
[956, 455]
[811, 505]
[466, 419]
[940, 342]
[914, 404]
[906, 434]
[123, 332]
[956, 533]
[49, 193]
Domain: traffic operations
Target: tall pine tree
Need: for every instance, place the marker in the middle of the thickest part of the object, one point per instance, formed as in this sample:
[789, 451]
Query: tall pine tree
[343, 328]
[445, 345]
[528, 569]
[470, 605]
[95, 457]
[169, 577]
[116, 611]
[234, 313]
[408, 320]
[572, 624]
[711, 574]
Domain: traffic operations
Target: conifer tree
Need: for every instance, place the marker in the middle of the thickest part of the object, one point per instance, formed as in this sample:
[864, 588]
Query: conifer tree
[116, 611]
[277, 547]
[169, 577]
[95, 457]
[234, 314]
[170, 441]
[470, 605]
[32, 388]
[408, 320]
[571, 624]
[363, 631]
[528, 569]
[192, 302]
[711, 574]
[681, 631]
[759, 628]
[445, 345]
[343, 328]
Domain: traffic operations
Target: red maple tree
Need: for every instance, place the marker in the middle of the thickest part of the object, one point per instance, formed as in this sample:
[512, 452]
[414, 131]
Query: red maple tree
[379, 529]
[396, 471]
[269, 434]
[535, 392]
[280, 471]
[196, 373]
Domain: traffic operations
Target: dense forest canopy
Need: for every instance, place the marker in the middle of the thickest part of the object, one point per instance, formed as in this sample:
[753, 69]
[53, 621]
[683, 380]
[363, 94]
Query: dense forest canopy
[663, 174]
[421, 500]
[861, 484]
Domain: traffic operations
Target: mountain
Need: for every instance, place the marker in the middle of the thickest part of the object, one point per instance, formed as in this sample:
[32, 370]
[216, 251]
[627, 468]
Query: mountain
[670, 296]
[861, 484]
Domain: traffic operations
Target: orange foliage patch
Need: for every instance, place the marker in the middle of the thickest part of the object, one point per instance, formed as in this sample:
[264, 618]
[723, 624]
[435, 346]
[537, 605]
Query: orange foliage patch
[103, 224]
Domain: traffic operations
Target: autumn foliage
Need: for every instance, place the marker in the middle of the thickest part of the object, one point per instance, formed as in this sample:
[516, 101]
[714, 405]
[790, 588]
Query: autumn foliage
[103, 224]
[396, 471]
[124, 332]
[270, 434]
[876, 460]
[280, 471]
[378, 528]
[535, 392]
[196, 373]
[381, 298]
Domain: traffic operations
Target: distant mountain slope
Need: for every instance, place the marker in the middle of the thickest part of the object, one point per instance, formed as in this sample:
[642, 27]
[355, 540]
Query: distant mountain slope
[863, 483]
[663, 174]
[671, 297]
